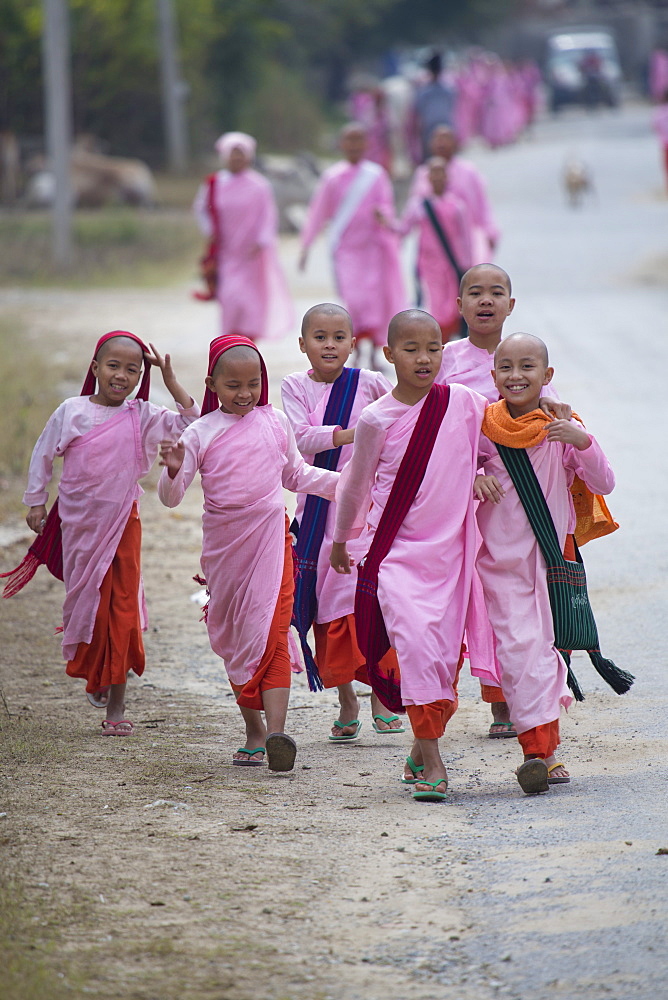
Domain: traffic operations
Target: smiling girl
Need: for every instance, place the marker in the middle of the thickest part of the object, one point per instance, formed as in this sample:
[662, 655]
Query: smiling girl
[108, 442]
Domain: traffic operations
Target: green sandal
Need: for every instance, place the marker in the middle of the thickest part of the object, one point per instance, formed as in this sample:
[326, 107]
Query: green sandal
[387, 719]
[248, 762]
[415, 769]
[433, 795]
[346, 725]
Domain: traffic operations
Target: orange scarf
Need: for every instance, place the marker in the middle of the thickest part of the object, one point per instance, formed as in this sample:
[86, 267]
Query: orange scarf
[521, 432]
[593, 519]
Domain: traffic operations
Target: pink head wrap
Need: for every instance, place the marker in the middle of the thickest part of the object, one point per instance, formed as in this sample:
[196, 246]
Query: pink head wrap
[88, 388]
[218, 347]
[232, 140]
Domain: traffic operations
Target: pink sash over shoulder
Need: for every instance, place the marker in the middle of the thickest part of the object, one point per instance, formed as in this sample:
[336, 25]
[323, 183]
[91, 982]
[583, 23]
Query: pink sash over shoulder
[97, 489]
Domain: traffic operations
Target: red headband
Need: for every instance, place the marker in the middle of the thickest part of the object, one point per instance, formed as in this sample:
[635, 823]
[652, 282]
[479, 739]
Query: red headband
[218, 348]
[88, 387]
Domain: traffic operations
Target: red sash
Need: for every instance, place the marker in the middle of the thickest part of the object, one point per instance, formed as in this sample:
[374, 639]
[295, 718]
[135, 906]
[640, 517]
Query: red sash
[371, 633]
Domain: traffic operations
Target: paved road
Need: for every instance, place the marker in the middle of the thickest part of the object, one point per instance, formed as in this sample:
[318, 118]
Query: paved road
[589, 916]
[576, 899]
[564, 895]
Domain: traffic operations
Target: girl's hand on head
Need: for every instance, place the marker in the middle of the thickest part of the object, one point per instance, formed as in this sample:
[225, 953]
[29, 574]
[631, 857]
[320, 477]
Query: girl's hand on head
[163, 363]
[569, 433]
[36, 518]
[488, 488]
[172, 454]
[340, 560]
[153, 358]
[555, 408]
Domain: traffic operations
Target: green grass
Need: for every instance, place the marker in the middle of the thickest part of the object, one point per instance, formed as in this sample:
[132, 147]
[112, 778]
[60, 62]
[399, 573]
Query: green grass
[29, 946]
[30, 382]
[112, 246]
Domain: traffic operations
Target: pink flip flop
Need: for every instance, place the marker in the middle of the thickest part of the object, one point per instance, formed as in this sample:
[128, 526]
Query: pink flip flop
[110, 728]
[98, 699]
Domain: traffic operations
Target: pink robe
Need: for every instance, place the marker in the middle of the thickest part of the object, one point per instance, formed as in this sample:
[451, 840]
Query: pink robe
[512, 570]
[658, 74]
[467, 183]
[424, 583]
[471, 366]
[252, 290]
[366, 262]
[304, 402]
[105, 450]
[245, 462]
[441, 282]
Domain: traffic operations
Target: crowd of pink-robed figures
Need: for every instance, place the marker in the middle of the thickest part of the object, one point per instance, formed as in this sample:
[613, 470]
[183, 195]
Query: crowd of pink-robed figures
[354, 199]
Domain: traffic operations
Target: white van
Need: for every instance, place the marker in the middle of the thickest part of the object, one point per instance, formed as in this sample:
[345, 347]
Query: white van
[582, 67]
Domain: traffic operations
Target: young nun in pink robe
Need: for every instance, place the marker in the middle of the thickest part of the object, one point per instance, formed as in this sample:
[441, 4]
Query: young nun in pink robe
[108, 442]
[365, 254]
[467, 183]
[485, 301]
[327, 340]
[251, 286]
[246, 454]
[424, 582]
[439, 278]
[510, 563]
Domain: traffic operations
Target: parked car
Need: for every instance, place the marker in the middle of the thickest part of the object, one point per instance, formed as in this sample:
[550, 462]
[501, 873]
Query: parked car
[582, 67]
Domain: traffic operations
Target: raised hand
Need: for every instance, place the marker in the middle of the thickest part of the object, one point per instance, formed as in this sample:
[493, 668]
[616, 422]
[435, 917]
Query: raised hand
[569, 433]
[172, 454]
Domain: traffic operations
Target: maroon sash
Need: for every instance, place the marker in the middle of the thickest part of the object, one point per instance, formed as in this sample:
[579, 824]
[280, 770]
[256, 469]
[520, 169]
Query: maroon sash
[371, 633]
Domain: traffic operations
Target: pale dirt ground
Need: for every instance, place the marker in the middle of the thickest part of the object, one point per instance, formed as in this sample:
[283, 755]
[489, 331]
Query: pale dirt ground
[328, 882]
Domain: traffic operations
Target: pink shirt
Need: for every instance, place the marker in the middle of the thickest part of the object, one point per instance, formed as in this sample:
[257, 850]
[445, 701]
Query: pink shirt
[424, 583]
[304, 402]
[245, 463]
[512, 571]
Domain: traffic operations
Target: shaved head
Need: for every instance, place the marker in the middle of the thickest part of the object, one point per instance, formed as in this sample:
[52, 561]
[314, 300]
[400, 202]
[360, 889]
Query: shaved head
[239, 353]
[117, 342]
[328, 309]
[478, 271]
[400, 325]
[518, 341]
[353, 129]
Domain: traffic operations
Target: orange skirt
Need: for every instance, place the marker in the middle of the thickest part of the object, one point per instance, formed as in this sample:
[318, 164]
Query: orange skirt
[491, 695]
[274, 668]
[116, 647]
[541, 741]
[338, 656]
[428, 722]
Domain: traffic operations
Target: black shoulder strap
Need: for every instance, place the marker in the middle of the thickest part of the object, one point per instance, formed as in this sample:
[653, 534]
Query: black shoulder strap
[443, 239]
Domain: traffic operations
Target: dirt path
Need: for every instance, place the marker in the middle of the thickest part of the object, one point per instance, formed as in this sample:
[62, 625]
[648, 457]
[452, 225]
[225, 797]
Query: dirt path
[151, 868]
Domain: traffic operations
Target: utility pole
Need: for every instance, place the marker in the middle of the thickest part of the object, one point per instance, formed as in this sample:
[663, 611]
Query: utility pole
[173, 89]
[58, 115]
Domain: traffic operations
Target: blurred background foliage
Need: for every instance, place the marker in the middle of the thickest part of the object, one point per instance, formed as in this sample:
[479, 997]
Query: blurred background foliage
[273, 67]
